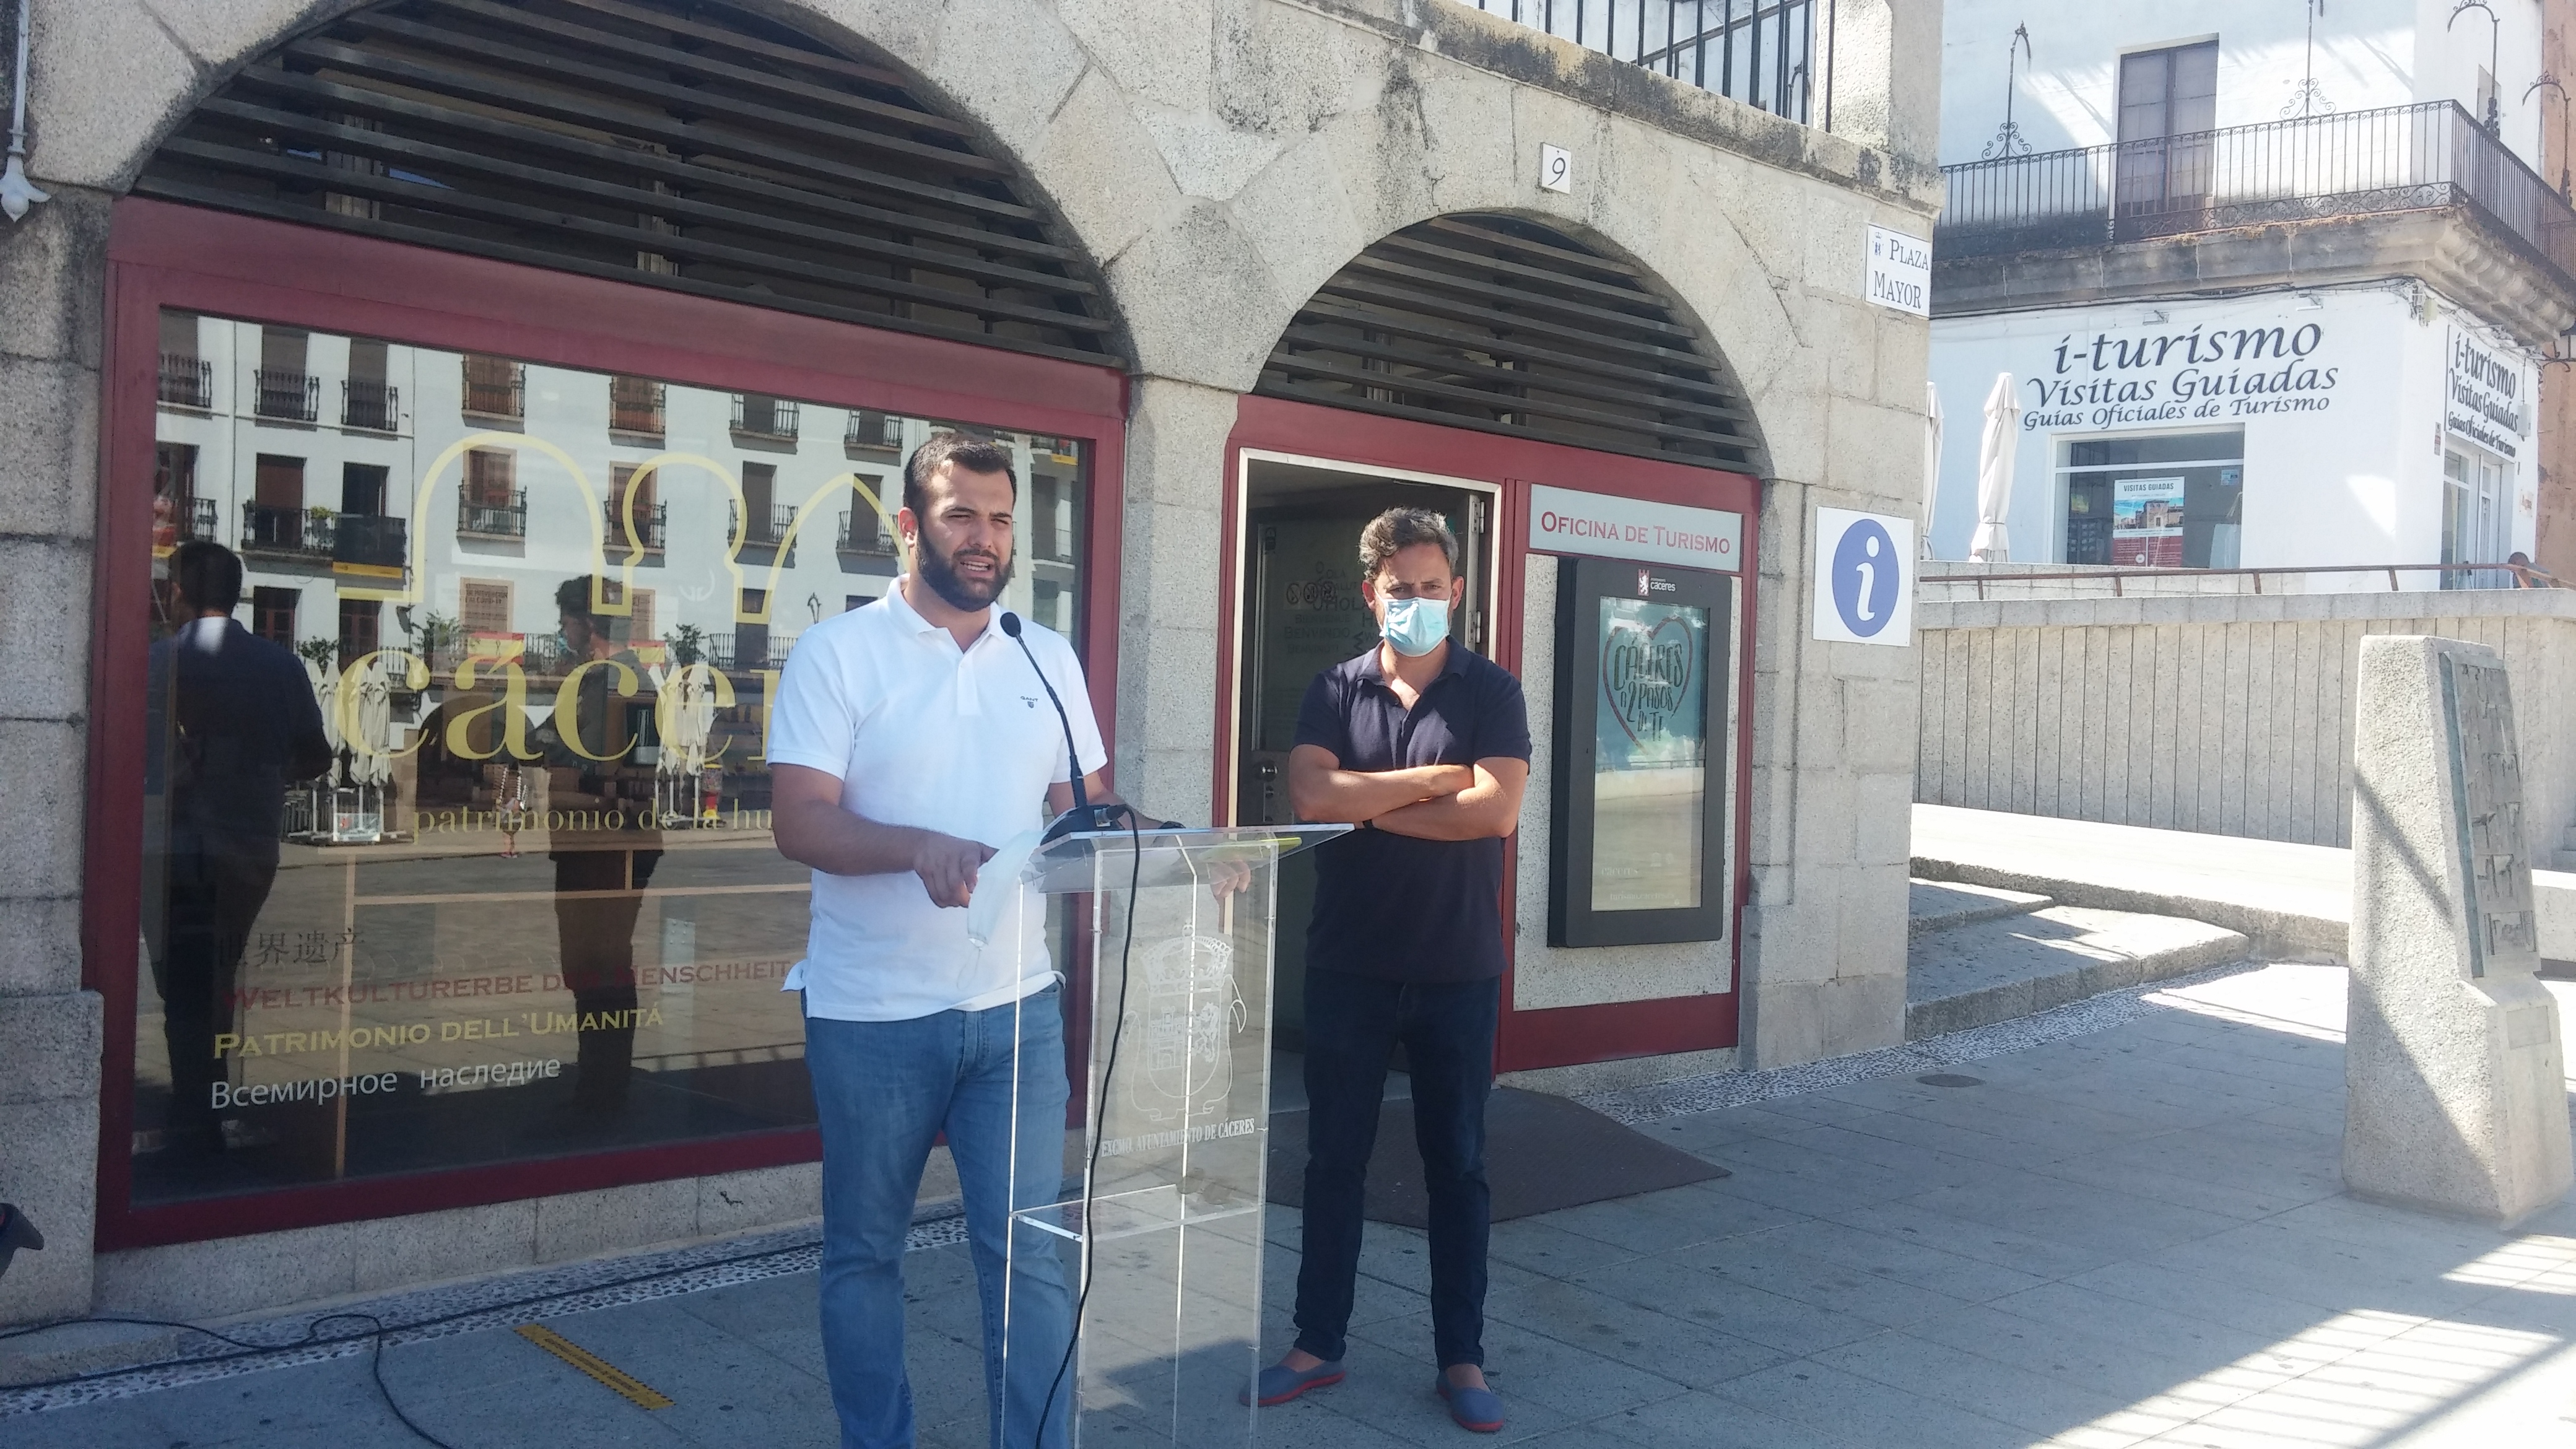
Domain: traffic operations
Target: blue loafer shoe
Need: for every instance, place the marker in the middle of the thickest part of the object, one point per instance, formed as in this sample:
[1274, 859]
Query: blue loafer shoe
[1280, 1383]
[1478, 1409]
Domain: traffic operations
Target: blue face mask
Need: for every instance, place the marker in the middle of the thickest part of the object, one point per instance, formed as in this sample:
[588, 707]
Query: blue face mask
[1415, 626]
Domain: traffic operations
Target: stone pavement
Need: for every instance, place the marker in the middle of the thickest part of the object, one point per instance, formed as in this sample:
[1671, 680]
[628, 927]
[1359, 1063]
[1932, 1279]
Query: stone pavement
[2115, 1224]
[1977, 954]
[2293, 901]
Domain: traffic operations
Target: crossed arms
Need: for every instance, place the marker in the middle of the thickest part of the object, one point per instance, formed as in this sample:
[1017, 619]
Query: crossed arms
[1428, 802]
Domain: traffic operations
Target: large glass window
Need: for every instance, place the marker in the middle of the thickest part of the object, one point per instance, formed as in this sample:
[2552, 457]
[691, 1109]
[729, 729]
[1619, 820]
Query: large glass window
[2174, 500]
[521, 898]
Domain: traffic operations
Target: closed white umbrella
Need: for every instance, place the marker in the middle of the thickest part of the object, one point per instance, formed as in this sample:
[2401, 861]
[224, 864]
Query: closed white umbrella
[373, 763]
[326, 694]
[1931, 464]
[1995, 472]
[688, 707]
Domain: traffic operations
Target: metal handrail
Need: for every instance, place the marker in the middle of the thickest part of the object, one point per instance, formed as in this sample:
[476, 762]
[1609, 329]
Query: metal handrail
[1766, 53]
[2396, 158]
[2527, 576]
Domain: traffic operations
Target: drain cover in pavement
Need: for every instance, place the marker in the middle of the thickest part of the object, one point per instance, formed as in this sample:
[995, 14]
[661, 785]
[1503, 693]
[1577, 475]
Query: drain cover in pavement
[1950, 1079]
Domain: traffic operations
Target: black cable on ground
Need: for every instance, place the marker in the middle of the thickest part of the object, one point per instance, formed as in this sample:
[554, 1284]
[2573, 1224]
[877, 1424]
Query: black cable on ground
[1099, 1125]
[315, 1338]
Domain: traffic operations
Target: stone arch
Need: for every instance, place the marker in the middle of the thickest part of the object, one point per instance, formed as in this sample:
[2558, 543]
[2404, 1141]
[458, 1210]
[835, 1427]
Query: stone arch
[1505, 323]
[751, 154]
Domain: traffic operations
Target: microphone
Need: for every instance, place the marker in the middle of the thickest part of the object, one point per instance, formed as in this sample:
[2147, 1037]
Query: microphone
[1080, 817]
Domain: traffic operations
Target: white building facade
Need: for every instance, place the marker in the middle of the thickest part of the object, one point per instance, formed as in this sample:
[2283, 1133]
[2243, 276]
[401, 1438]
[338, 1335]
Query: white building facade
[2271, 291]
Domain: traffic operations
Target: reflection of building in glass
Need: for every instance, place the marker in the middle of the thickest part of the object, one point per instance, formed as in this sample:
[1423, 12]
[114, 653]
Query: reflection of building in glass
[391, 498]
[543, 612]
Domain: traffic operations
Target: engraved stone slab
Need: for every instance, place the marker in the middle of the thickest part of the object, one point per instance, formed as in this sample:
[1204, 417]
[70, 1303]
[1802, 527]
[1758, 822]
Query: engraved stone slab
[2486, 774]
[2453, 1078]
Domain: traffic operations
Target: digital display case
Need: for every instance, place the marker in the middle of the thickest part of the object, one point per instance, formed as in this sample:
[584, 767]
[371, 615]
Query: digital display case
[1639, 845]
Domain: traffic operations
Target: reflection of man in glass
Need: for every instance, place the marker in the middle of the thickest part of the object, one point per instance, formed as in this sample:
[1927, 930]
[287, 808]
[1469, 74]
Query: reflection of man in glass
[1426, 748]
[603, 862]
[232, 723]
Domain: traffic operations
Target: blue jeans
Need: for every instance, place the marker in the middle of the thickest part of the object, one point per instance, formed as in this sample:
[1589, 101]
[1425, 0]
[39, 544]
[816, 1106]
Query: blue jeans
[883, 1091]
[1352, 1024]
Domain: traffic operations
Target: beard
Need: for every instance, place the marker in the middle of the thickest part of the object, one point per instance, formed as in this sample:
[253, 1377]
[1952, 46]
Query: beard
[939, 571]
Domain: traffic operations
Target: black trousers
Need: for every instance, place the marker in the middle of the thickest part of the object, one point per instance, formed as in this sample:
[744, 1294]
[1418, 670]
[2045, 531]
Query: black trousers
[214, 899]
[595, 939]
[1447, 1029]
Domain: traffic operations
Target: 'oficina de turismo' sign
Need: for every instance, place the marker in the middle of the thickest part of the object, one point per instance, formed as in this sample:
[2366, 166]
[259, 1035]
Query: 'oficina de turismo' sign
[1562, 520]
[2113, 379]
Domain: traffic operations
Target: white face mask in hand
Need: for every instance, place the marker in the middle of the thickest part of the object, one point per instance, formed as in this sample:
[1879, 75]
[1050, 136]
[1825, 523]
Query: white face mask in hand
[1415, 626]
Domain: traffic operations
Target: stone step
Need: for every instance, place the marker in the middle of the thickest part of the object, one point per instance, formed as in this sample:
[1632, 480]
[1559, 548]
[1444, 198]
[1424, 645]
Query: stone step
[2007, 967]
[1938, 905]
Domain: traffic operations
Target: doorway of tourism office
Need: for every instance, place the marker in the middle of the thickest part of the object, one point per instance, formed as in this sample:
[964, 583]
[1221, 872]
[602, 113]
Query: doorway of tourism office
[1298, 611]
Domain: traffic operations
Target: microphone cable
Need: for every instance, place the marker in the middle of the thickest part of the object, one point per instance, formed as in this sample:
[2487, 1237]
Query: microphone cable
[1099, 1130]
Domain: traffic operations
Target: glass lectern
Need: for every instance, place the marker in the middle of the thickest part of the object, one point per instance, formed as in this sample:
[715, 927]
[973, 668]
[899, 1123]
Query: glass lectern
[1158, 1233]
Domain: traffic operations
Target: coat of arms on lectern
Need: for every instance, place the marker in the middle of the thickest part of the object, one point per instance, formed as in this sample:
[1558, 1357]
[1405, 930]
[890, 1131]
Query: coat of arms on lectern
[1191, 1011]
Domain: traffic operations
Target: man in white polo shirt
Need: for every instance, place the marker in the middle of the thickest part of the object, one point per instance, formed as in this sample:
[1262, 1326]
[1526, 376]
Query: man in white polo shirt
[909, 739]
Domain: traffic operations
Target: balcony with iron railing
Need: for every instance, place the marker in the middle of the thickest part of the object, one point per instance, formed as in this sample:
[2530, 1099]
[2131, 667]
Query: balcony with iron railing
[370, 404]
[492, 515]
[868, 539]
[183, 520]
[371, 540]
[872, 430]
[650, 524]
[635, 406]
[285, 531]
[187, 382]
[291, 397]
[2314, 168]
[748, 648]
[765, 417]
[1775, 55]
[495, 388]
[768, 528]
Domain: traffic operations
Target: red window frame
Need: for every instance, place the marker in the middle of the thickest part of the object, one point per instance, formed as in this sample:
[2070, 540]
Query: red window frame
[1560, 1036]
[162, 254]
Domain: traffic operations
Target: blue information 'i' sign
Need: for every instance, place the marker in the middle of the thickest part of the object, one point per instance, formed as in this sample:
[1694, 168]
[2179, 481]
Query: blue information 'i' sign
[1865, 577]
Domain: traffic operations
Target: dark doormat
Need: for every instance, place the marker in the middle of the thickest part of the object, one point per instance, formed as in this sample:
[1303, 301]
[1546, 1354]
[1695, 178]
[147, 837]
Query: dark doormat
[1541, 1153]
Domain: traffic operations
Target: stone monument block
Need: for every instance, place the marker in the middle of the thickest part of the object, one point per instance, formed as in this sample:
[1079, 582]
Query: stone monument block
[2455, 1092]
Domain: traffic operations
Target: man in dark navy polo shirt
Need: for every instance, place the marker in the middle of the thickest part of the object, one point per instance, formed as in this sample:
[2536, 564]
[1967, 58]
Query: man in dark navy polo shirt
[1425, 747]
